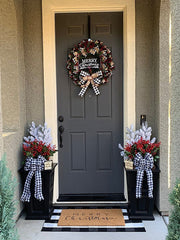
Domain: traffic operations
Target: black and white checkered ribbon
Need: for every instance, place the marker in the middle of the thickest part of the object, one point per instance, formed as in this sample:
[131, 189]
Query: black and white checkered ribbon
[96, 81]
[34, 166]
[144, 164]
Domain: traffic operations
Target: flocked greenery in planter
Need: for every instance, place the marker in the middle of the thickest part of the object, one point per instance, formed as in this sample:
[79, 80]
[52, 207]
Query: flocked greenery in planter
[7, 203]
[140, 154]
[140, 142]
[38, 184]
[174, 220]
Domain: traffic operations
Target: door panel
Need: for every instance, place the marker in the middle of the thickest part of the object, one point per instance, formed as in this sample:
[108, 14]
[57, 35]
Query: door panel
[78, 151]
[104, 150]
[89, 162]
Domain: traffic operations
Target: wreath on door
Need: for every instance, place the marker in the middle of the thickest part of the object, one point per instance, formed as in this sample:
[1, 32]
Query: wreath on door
[90, 64]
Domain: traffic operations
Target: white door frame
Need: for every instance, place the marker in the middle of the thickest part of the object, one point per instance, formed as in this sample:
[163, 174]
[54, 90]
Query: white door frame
[49, 8]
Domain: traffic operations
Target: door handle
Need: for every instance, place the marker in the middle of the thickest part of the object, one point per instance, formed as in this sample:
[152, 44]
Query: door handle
[61, 130]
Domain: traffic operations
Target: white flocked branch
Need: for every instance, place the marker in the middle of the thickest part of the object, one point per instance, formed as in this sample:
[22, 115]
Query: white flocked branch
[39, 133]
[133, 136]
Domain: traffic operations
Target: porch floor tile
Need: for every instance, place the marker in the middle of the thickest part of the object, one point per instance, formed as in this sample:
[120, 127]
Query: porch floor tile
[31, 230]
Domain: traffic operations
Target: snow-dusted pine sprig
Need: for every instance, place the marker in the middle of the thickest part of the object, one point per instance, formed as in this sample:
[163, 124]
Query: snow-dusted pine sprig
[133, 136]
[39, 133]
[145, 133]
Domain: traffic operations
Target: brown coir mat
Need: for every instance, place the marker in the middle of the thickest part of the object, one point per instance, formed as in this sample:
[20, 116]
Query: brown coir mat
[91, 217]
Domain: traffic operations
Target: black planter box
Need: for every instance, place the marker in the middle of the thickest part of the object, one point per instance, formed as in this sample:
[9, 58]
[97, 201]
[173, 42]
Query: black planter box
[141, 208]
[36, 209]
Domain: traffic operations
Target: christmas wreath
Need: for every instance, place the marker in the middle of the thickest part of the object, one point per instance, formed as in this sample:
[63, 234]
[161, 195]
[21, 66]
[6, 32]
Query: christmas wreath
[90, 63]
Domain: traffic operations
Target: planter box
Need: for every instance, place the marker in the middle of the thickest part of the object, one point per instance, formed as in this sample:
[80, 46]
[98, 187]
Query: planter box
[36, 209]
[141, 208]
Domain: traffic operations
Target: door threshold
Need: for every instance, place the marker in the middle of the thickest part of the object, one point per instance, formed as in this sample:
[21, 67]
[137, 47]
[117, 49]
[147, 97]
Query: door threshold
[92, 203]
[96, 197]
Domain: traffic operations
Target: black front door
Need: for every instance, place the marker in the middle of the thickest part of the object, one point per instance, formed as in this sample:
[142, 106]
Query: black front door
[90, 166]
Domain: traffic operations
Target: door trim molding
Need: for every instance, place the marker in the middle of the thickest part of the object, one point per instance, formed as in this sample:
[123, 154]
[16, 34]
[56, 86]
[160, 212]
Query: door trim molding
[49, 8]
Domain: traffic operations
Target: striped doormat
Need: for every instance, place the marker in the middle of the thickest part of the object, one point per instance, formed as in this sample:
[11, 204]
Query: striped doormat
[51, 225]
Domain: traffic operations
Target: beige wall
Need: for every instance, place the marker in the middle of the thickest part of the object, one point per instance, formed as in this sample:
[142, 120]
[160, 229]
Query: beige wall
[21, 94]
[145, 103]
[21, 74]
[156, 15]
[152, 76]
[163, 96]
[33, 60]
[156, 19]
[1, 142]
[174, 86]
[13, 102]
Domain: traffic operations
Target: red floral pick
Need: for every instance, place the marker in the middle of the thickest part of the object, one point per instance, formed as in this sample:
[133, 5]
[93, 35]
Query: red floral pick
[35, 148]
[142, 146]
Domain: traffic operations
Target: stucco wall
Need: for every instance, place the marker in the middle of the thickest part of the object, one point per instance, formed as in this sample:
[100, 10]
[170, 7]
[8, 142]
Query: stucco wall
[144, 61]
[156, 18]
[156, 14]
[163, 124]
[152, 80]
[12, 85]
[21, 74]
[175, 92]
[33, 60]
[1, 140]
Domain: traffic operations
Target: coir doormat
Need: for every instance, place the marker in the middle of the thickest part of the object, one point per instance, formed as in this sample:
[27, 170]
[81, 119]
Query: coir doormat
[51, 225]
[91, 217]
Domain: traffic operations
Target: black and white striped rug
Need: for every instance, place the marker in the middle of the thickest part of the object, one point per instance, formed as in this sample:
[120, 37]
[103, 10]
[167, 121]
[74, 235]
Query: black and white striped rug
[130, 225]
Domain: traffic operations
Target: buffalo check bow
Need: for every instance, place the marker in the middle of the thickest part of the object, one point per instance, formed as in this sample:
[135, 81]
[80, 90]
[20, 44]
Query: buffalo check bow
[144, 164]
[34, 166]
[86, 79]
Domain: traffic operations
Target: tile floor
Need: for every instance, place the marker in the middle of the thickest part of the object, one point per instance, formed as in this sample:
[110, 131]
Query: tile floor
[31, 230]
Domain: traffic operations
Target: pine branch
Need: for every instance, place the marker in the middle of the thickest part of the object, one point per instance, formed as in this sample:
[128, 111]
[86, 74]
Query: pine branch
[7, 204]
[174, 220]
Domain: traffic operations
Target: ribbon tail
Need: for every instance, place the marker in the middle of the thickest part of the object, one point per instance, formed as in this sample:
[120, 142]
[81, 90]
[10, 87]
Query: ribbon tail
[150, 182]
[38, 186]
[26, 195]
[96, 90]
[139, 180]
[83, 90]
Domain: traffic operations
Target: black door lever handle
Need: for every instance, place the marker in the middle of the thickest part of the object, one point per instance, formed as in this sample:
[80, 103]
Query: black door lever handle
[61, 130]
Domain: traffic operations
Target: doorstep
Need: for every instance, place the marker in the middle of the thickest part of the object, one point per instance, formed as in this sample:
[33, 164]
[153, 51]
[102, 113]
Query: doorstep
[122, 204]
